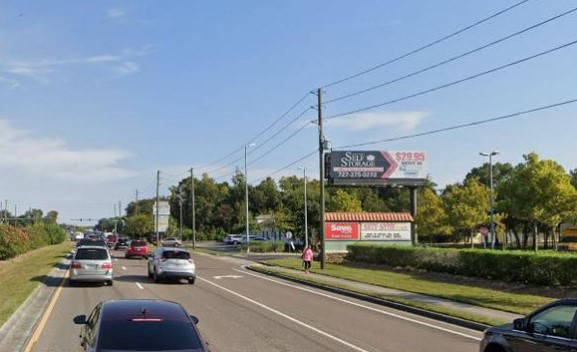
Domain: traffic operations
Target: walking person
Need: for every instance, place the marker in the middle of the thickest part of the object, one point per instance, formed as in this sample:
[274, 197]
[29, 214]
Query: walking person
[307, 258]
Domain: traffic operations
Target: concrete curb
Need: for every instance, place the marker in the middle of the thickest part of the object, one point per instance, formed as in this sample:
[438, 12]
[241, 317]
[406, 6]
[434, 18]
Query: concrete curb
[426, 313]
[17, 330]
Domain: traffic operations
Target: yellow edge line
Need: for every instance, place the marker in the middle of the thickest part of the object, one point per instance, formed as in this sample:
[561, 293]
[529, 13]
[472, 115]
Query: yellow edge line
[42, 324]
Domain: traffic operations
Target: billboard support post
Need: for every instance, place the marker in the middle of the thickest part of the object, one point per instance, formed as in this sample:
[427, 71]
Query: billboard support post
[413, 201]
[322, 175]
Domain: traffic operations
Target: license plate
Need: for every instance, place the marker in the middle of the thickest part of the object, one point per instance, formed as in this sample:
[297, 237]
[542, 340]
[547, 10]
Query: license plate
[92, 266]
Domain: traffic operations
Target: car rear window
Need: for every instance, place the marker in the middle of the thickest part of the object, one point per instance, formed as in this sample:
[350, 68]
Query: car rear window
[127, 335]
[175, 255]
[138, 243]
[91, 253]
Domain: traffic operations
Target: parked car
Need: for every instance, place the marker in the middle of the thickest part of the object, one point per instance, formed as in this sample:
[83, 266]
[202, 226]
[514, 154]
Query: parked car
[139, 325]
[137, 248]
[91, 263]
[233, 239]
[170, 242]
[550, 328]
[111, 240]
[122, 243]
[259, 238]
[171, 263]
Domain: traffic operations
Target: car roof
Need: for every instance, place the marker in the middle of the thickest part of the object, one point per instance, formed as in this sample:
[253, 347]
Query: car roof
[174, 249]
[133, 308]
[92, 247]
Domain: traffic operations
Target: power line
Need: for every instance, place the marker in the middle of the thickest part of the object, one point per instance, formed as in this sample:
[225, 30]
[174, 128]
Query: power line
[444, 62]
[455, 82]
[259, 134]
[442, 39]
[286, 166]
[455, 127]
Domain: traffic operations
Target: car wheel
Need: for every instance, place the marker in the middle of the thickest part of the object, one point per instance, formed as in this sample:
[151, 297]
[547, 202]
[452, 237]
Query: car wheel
[109, 282]
[71, 282]
[155, 277]
[191, 281]
[149, 273]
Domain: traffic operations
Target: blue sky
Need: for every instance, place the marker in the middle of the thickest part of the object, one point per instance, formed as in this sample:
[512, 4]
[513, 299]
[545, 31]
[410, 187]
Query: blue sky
[97, 95]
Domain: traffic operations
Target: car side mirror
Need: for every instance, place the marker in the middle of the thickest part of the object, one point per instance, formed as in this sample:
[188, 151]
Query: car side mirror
[519, 324]
[194, 319]
[80, 319]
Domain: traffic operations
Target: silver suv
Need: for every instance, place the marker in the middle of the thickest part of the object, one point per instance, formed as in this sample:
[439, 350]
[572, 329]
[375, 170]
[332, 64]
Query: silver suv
[91, 263]
[171, 263]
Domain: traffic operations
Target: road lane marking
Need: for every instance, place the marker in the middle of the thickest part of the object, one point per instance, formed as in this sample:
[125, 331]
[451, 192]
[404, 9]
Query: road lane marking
[218, 277]
[115, 259]
[123, 268]
[294, 320]
[139, 286]
[42, 323]
[363, 306]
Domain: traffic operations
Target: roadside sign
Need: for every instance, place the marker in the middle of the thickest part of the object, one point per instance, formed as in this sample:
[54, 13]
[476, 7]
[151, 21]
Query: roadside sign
[289, 235]
[385, 231]
[484, 231]
[342, 231]
[163, 215]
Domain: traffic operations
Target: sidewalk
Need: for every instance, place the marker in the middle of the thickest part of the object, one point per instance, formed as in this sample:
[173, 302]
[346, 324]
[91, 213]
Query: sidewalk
[373, 290]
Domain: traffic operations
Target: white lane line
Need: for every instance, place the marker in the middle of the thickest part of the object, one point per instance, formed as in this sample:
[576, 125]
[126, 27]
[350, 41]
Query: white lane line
[348, 344]
[139, 286]
[363, 306]
[123, 268]
[115, 259]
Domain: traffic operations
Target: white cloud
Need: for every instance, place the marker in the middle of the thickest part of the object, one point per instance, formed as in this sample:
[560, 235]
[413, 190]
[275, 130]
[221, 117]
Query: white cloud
[115, 13]
[404, 121]
[120, 64]
[53, 158]
[10, 83]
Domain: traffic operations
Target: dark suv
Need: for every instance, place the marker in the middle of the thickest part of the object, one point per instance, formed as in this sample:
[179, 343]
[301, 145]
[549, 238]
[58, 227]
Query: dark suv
[139, 325]
[550, 328]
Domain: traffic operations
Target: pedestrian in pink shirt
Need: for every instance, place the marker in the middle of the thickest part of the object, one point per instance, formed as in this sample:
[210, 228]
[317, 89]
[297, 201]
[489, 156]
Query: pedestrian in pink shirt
[307, 258]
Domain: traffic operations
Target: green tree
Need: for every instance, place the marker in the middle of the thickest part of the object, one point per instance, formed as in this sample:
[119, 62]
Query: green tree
[139, 225]
[501, 171]
[343, 201]
[52, 216]
[432, 218]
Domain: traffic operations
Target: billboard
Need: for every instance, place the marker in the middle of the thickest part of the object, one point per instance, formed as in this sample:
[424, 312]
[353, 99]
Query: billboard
[163, 215]
[385, 231]
[377, 167]
[342, 231]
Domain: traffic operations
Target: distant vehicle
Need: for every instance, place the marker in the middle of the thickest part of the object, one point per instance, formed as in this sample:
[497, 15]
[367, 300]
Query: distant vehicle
[139, 325]
[259, 238]
[550, 328]
[171, 263]
[122, 243]
[111, 240]
[91, 263]
[233, 239]
[91, 242]
[136, 248]
[170, 242]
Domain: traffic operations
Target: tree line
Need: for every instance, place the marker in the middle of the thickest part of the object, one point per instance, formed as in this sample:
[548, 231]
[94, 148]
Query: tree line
[533, 197]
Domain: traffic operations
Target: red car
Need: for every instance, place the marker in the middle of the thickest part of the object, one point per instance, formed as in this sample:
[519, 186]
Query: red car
[137, 248]
[111, 240]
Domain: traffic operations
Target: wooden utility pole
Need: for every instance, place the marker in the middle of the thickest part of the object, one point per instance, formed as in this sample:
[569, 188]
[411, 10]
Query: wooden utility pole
[157, 207]
[321, 175]
[193, 209]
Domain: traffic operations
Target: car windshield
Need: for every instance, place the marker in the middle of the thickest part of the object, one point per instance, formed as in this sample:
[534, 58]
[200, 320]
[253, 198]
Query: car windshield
[91, 254]
[127, 335]
[175, 255]
[138, 243]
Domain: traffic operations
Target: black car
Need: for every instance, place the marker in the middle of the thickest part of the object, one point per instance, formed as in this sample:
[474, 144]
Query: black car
[550, 328]
[91, 242]
[139, 325]
[122, 243]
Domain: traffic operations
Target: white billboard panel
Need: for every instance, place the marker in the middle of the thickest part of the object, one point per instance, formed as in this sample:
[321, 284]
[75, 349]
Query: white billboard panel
[385, 231]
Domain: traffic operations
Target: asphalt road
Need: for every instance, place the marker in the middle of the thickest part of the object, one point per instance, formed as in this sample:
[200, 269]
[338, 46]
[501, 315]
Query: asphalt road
[253, 312]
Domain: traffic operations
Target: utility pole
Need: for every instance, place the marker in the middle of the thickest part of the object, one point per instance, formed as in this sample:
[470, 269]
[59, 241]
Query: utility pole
[246, 198]
[193, 210]
[15, 210]
[136, 203]
[180, 206]
[6, 211]
[322, 174]
[304, 168]
[157, 206]
[119, 209]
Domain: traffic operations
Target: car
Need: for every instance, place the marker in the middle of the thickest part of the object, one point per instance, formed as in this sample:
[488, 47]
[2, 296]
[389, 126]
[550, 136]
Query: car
[136, 248]
[170, 242]
[91, 242]
[259, 238]
[111, 240]
[171, 263]
[233, 239]
[91, 263]
[549, 328]
[122, 243]
[139, 325]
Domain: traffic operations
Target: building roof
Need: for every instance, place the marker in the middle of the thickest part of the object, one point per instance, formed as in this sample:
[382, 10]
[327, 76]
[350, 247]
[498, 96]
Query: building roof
[365, 216]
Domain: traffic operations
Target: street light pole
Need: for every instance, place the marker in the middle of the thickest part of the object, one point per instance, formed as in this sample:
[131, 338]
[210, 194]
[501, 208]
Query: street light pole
[246, 197]
[193, 210]
[180, 214]
[491, 201]
[304, 168]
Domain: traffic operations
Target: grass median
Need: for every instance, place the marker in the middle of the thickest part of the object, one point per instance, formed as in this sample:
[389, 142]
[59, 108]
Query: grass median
[484, 297]
[21, 275]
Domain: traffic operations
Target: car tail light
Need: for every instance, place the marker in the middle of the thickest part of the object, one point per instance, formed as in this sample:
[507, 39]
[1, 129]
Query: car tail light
[107, 266]
[76, 265]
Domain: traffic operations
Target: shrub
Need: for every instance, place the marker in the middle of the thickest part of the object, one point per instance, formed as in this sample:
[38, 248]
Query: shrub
[542, 268]
[265, 246]
[18, 240]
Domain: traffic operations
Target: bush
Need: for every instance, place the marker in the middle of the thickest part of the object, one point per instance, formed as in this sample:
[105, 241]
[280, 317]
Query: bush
[19, 240]
[265, 246]
[542, 268]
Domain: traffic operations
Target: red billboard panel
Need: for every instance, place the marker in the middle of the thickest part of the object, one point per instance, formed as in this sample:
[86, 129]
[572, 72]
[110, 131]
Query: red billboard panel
[342, 231]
